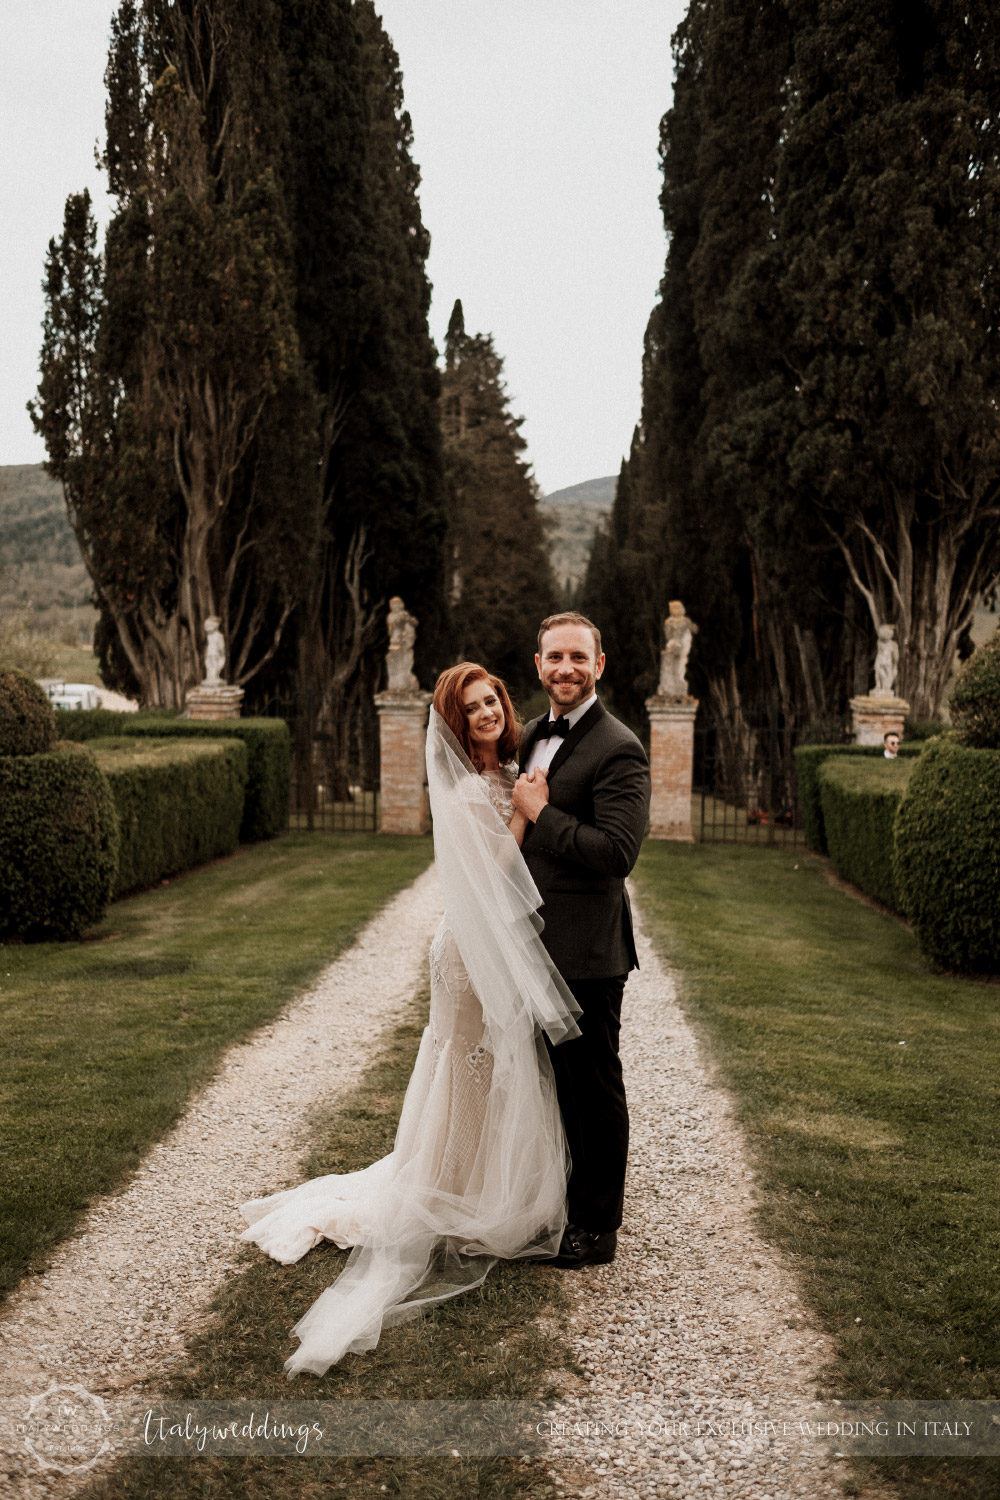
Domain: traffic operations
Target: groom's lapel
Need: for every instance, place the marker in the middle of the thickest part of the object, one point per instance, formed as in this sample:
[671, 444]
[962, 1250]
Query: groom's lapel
[528, 741]
[576, 734]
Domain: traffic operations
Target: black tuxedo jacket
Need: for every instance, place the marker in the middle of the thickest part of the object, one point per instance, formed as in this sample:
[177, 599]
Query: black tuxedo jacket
[586, 841]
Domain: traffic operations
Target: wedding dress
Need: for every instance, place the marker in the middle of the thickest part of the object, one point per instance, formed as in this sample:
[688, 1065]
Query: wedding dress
[479, 1166]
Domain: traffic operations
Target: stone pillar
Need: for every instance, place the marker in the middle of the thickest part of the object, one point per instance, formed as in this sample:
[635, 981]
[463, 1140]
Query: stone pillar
[876, 715]
[671, 765]
[213, 701]
[402, 722]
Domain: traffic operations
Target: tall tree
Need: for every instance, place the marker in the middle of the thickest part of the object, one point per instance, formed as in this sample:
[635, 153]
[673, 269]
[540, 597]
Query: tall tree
[363, 305]
[818, 446]
[500, 576]
[878, 418]
[190, 336]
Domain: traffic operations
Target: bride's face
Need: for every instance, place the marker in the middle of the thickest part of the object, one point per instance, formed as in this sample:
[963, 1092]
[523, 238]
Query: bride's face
[484, 713]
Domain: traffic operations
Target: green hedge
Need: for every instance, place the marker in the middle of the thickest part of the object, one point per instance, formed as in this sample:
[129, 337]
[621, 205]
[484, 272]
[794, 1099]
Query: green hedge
[265, 810]
[27, 722]
[860, 797]
[975, 698]
[58, 843]
[83, 724]
[808, 759]
[947, 855]
[178, 804]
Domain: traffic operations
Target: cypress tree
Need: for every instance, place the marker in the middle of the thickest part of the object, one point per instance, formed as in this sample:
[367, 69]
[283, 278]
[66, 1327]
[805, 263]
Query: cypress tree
[501, 582]
[192, 335]
[261, 438]
[878, 422]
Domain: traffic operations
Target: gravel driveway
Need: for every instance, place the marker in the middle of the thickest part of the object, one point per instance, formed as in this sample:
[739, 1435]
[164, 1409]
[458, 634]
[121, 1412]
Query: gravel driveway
[697, 1321]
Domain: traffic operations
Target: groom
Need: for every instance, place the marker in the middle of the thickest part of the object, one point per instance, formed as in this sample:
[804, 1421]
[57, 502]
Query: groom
[584, 788]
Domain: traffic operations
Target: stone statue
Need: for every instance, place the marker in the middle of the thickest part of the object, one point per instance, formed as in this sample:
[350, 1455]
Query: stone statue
[678, 631]
[886, 662]
[402, 638]
[215, 653]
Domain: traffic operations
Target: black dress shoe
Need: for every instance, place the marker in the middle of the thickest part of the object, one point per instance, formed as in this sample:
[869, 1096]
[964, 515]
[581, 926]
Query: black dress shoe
[581, 1248]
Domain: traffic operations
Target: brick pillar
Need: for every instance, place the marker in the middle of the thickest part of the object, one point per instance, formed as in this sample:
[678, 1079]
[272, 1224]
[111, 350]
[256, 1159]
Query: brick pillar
[877, 715]
[402, 722]
[671, 765]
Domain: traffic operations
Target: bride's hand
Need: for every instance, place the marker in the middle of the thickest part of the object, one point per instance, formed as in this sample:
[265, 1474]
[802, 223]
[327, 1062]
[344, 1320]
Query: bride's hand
[531, 793]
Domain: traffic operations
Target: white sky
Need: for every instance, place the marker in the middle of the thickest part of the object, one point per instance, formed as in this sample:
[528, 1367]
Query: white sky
[535, 127]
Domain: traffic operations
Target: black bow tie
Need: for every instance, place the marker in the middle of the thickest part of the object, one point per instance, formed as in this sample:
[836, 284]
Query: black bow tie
[549, 727]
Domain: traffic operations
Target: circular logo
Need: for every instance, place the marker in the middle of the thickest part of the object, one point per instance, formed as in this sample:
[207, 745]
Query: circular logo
[67, 1428]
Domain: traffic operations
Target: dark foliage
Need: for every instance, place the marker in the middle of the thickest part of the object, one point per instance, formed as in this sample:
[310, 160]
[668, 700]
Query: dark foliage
[947, 859]
[179, 804]
[820, 439]
[239, 394]
[808, 760]
[860, 798]
[501, 578]
[27, 720]
[975, 699]
[58, 844]
[265, 808]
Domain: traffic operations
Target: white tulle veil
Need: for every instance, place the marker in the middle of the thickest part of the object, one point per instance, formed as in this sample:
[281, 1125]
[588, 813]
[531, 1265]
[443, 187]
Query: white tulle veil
[491, 901]
[423, 1241]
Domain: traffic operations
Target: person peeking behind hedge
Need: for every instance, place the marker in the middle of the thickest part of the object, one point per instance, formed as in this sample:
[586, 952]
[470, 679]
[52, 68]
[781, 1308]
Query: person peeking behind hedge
[890, 744]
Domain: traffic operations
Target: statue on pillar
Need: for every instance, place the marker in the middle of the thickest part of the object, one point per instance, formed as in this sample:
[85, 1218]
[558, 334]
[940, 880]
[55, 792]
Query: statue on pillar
[886, 662]
[214, 697]
[215, 653]
[678, 632]
[402, 639]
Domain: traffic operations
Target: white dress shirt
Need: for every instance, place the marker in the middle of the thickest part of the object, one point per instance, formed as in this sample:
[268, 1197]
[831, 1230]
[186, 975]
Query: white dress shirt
[543, 752]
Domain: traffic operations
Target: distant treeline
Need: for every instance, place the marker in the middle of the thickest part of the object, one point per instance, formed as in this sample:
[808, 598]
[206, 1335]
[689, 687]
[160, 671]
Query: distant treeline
[42, 574]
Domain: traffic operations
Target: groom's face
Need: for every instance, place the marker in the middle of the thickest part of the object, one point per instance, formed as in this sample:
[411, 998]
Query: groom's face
[568, 666]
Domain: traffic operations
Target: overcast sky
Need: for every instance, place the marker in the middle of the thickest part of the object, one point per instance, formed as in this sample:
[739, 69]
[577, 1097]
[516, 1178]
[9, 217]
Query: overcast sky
[535, 126]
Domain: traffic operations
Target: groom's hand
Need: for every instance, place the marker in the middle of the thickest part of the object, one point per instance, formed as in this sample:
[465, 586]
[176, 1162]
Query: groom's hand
[531, 793]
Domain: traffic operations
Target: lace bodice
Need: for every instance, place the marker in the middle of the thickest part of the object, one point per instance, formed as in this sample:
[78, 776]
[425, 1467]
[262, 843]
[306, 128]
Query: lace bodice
[500, 786]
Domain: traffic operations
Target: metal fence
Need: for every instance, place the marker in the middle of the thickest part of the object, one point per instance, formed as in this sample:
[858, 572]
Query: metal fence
[335, 763]
[744, 784]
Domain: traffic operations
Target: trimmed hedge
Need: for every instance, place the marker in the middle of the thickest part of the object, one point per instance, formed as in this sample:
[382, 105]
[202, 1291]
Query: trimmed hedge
[947, 855]
[975, 698]
[27, 722]
[269, 755]
[58, 843]
[860, 798]
[178, 804]
[83, 724]
[808, 759]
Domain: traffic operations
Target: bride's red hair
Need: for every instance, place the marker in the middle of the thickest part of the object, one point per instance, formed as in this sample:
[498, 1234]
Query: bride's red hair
[448, 703]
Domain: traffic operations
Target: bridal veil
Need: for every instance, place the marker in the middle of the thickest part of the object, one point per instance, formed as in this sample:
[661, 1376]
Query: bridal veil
[479, 1166]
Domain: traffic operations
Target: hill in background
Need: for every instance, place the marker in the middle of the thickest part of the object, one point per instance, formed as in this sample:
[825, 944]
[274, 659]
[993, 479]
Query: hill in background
[574, 514]
[40, 562]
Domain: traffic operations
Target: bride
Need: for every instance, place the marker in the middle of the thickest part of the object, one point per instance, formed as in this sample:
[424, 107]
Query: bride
[479, 1166]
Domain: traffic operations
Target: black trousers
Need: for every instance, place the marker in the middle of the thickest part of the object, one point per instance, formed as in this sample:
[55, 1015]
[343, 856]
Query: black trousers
[591, 1095]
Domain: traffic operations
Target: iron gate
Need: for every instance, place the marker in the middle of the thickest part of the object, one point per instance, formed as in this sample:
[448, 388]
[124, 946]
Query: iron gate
[744, 784]
[335, 762]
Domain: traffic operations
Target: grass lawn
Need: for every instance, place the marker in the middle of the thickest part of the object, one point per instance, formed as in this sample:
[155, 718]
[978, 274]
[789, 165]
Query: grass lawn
[104, 1040]
[869, 1089]
[75, 663]
[484, 1345]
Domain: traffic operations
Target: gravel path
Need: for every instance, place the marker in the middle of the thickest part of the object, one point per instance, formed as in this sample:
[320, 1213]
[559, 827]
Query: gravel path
[697, 1318]
[113, 1310]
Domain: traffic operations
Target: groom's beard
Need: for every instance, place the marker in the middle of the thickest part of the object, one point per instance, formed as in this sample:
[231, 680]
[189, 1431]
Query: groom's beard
[565, 696]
